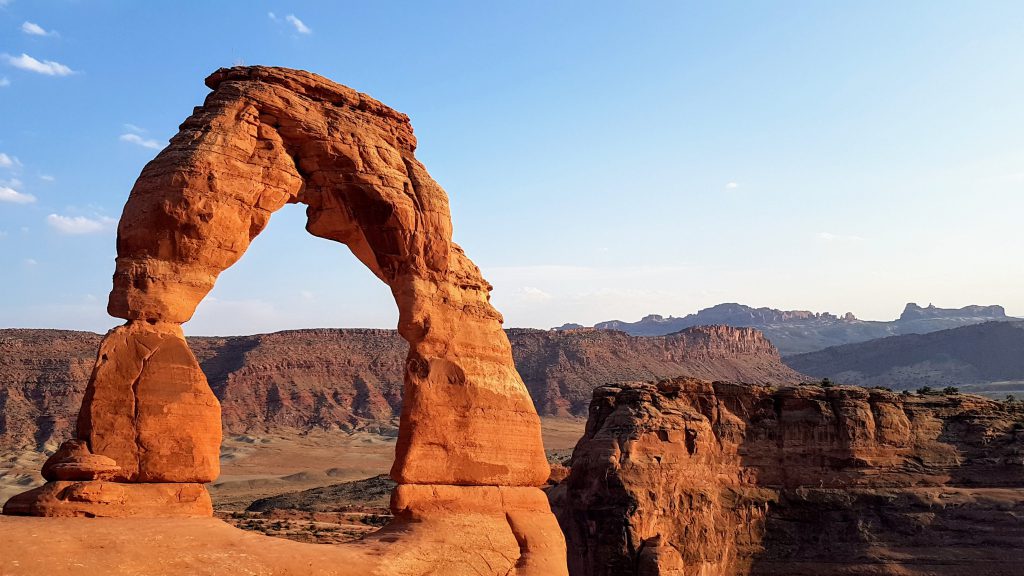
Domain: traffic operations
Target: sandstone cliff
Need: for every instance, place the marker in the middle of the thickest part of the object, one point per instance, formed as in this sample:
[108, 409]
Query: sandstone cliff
[690, 477]
[352, 378]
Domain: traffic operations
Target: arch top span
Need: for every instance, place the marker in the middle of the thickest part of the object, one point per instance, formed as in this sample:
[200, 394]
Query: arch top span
[265, 137]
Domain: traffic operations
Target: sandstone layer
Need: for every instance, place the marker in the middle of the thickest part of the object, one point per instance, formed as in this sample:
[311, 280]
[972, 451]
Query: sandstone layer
[690, 477]
[469, 456]
[351, 379]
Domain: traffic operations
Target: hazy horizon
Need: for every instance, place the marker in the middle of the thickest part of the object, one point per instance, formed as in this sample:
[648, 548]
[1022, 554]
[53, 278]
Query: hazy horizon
[603, 162]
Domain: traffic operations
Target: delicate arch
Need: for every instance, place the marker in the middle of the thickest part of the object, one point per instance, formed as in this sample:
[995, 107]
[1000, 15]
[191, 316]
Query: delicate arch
[263, 138]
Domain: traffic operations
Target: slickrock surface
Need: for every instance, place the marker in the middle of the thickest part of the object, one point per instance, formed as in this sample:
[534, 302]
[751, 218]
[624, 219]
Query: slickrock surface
[352, 378]
[470, 541]
[690, 477]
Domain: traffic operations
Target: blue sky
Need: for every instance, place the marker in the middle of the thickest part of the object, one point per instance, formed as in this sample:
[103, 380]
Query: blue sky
[604, 159]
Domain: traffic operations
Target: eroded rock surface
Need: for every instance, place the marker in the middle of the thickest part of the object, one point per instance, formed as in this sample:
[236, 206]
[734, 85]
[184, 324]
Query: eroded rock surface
[352, 378]
[690, 477]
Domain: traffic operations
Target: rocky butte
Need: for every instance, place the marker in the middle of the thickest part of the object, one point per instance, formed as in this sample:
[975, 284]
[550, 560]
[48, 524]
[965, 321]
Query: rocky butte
[469, 457]
[693, 477]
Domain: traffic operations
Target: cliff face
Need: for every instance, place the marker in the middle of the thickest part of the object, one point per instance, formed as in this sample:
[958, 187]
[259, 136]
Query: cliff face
[43, 374]
[352, 378]
[561, 368]
[689, 477]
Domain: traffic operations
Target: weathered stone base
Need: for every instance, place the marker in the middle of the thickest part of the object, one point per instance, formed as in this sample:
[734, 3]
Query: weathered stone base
[103, 499]
[516, 519]
[438, 531]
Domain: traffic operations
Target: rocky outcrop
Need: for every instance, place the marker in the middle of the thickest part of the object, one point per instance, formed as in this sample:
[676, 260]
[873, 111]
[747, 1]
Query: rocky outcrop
[469, 442]
[915, 312]
[692, 477]
[352, 378]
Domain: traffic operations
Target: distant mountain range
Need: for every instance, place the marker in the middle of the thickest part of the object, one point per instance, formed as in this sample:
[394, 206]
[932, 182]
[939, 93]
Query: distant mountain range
[799, 331]
[984, 358]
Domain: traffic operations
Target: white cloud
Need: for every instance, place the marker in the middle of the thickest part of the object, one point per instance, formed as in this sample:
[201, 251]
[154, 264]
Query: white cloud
[45, 67]
[307, 295]
[33, 29]
[8, 194]
[8, 161]
[300, 27]
[133, 128]
[79, 224]
[47, 178]
[4, 82]
[140, 141]
[732, 185]
[30, 262]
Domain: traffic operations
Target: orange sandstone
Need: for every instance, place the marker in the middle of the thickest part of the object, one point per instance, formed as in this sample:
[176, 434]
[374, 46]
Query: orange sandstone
[469, 442]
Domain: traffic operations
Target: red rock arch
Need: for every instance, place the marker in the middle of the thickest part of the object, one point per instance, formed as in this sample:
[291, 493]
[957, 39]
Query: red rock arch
[263, 138]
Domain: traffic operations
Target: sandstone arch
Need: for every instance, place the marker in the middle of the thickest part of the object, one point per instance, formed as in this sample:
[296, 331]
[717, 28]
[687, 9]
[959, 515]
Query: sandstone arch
[149, 429]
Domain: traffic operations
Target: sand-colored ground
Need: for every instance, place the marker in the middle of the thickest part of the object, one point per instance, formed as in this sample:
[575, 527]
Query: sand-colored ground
[257, 466]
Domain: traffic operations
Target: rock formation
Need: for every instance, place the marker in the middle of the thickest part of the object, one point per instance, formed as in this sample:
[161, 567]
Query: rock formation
[302, 380]
[469, 440]
[562, 368]
[690, 477]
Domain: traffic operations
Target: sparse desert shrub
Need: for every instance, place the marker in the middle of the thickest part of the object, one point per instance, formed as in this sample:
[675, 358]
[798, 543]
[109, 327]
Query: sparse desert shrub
[950, 390]
[924, 390]
[905, 392]
[826, 383]
[1010, 398]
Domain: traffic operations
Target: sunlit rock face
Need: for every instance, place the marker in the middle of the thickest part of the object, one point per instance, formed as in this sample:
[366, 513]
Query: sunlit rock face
[469, 440]
[693, 477]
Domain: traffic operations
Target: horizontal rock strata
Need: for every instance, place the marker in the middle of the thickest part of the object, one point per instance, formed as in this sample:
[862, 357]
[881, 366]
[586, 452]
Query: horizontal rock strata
[690, 477]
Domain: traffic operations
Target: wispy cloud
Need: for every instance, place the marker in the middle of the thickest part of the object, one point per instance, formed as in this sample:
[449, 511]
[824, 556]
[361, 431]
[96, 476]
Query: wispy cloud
[45, 67]
[9, 194]
[534, 294]
[7, 161]
[33, 29]
[732, 185]
[4, 82]
[139, 141]
[299, 25]
[47, 178]
[133, 128]
[74, 225]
